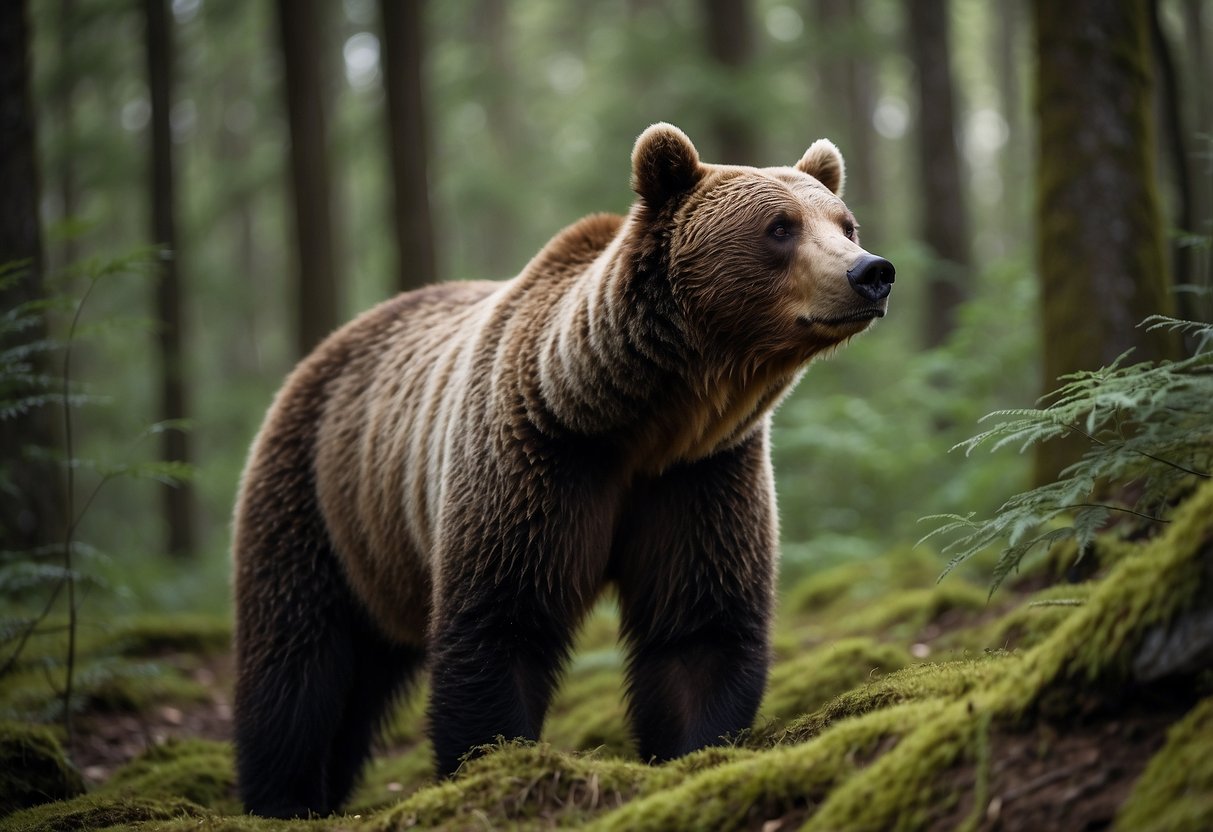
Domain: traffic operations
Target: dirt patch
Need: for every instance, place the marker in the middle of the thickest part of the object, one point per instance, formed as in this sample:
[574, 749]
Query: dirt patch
[1054, 776]
[105, 741]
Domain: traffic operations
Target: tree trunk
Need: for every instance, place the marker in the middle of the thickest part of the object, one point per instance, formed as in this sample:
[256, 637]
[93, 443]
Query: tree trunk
[316, 294]
[849, 68]
[1174, 157]
[31, 499]
[1099, 229]
[1199, 66]
[403, 52]
[178, 500]
[945, 223]
[730, 44]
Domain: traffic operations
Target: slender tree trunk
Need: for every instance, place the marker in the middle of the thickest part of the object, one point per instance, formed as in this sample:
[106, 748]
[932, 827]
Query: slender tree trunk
[1174, 156]
[403, 50]
[31, 499]
[1198, 67]
[497, 252]
[1099, 228]
[731, 45]
[848, 69]
[1006, 33]
[178, 500]
[317, 296]
[63, 104]
[945, 222]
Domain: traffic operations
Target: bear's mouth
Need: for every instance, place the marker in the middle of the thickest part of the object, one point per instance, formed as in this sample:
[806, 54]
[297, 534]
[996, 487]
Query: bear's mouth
[852, 317]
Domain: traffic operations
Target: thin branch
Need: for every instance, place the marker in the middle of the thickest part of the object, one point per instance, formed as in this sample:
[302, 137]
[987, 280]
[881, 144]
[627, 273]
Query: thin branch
[1176, 465]
[1116, 508]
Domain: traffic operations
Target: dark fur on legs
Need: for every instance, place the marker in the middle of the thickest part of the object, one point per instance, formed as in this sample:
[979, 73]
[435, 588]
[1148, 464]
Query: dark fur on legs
[696, 582]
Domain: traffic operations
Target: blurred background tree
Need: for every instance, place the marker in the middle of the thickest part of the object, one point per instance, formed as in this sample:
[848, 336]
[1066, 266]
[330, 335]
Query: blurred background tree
[308, 139]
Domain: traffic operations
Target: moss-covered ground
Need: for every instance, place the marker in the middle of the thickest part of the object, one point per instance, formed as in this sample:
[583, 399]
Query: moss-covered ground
[894, 702]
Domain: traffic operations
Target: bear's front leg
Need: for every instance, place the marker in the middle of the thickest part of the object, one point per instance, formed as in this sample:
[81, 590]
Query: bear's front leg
[696, 570]
[494, 665]
[514, 584]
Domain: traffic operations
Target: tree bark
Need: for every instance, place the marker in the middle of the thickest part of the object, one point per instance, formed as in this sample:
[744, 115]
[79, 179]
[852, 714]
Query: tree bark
[178, 499]
[31, 502]
[1099, 228]
[1174, 157]
[731, 45]
[403, 52]
[848, 69]
[318, 311]
[945, 222]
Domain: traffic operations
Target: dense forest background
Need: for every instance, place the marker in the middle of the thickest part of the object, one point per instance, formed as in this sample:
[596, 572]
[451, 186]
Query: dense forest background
[281, 159]
[194, 192]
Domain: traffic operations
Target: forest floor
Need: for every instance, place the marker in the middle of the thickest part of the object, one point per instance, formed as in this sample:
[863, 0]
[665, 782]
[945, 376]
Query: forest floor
[1071, 699]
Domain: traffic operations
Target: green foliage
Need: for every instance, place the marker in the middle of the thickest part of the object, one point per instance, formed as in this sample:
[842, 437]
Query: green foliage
[857, 445]
[1151, 441]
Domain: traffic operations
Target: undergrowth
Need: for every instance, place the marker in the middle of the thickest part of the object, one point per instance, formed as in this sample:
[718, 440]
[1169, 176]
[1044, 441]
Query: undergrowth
[1151, 441]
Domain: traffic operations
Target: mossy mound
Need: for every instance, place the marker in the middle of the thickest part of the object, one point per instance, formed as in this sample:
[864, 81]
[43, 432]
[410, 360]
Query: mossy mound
[805, 683]
[90, 812]
[945, 682]
[200, 771]
[33, 769]
[524, 784]
[909, 612]
[1175, 792]
[783, 783]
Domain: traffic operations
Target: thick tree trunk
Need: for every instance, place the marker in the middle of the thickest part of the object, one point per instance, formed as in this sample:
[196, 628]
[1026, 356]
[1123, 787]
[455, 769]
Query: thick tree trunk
[731, 45]
[945, 223]
[1099, 229]
[403, 51]
[31, 500]
[316, 291]
[178, 500]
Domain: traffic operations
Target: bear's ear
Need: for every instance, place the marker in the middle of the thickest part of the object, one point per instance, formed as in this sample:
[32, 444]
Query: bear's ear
[664, 164]
[823, 162]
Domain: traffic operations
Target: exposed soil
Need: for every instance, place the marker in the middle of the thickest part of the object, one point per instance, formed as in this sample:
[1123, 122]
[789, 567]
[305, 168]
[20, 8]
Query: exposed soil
[105, 741]
[1064, 777]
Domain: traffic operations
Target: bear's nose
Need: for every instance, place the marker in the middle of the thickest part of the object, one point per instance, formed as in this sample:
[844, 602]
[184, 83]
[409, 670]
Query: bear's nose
[872, 277]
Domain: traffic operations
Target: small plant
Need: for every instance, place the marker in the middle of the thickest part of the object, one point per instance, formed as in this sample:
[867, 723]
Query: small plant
[1151, 438]
[53, 568]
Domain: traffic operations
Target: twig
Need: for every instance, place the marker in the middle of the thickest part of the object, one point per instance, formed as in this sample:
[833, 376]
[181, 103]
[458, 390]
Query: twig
[1116, 508]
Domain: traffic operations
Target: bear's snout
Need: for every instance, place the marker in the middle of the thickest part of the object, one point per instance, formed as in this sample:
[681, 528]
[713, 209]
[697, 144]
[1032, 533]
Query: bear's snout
[872, 277]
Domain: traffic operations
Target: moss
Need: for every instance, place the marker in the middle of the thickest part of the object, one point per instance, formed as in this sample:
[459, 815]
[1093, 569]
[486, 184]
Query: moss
[857, 583]
[1175, 792]
[152, 635]
[1096, 644]
[389, 779]
[89, 812]
[804, 684]
[909, 785]
[520, 783]
[784, 780]
[33, 769]
[946, 681]
[200, 771]
[1025, 626]
[908, 612]
[589, 711]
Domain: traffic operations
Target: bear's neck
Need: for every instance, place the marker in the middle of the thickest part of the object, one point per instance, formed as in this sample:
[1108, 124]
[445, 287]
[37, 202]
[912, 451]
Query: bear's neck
[618, 360]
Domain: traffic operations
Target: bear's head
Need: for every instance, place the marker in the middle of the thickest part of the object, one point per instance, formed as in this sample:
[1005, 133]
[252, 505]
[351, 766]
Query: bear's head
[764, 264]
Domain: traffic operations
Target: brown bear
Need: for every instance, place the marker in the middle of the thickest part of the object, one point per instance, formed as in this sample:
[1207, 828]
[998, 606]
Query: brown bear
[452, 479]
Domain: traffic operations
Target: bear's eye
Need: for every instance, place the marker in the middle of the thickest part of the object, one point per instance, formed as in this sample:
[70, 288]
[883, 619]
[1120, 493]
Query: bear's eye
[848, 228]
[780, 230]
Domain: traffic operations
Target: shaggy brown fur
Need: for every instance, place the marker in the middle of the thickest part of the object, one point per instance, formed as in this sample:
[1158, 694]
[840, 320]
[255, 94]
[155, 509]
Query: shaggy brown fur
[456, 475]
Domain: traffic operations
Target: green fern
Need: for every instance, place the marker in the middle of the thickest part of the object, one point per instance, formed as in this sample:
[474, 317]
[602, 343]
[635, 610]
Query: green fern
[1150, 428]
